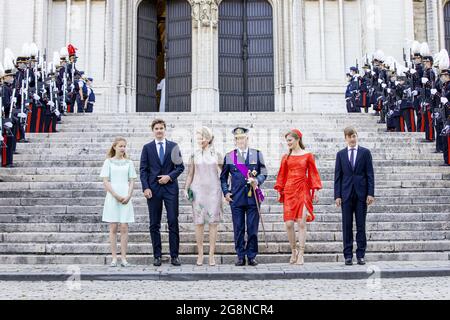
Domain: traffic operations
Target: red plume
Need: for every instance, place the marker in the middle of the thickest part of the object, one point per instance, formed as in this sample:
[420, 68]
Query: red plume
[71, 49]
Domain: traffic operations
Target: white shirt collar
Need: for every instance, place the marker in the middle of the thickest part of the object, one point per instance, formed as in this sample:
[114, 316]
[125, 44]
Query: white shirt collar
[163, 141]
[246, 151]
[356, 148]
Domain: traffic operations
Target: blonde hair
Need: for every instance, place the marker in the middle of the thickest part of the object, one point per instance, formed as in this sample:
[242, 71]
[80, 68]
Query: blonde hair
[206, 133]
[112, 152]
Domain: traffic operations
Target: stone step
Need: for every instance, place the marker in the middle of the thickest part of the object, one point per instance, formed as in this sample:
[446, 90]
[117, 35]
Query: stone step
[425, 224]
[63, 214]
[139, 200]
[30, 195]
[270, 178]
[223, 237]
[435, 162]
[48, 171]
[222, 248]
[100, 259]
[10, 186]
[50, 157]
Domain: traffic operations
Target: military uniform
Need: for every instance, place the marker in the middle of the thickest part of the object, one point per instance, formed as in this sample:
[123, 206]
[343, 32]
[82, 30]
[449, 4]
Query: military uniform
[244, 207]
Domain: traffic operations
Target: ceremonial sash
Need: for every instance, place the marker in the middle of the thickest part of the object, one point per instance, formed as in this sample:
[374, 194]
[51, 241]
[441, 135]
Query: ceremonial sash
[243, 169]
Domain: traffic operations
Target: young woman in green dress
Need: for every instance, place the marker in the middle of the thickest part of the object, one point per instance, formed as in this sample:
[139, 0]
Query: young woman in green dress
[118, 175]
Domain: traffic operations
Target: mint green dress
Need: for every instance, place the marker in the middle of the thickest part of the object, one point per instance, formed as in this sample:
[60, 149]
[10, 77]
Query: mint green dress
[119, 172]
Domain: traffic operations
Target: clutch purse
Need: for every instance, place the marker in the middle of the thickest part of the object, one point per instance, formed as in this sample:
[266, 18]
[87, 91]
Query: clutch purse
[190, 195]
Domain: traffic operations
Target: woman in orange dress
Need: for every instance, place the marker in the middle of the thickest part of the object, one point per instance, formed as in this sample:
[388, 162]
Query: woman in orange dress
[298, 182]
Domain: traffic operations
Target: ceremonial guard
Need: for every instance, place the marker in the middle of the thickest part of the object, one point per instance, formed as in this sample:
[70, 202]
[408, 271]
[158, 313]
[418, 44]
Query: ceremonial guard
[246, 170]
[90, 101]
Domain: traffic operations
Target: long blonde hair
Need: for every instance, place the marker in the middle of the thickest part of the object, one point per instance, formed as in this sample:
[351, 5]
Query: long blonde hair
[112, 152]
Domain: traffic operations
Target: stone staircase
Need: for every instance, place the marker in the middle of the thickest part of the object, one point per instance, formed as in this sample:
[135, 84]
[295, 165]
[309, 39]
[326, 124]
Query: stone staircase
[51, 202]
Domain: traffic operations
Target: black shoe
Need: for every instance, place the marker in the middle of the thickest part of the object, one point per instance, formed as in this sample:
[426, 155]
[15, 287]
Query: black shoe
[23, 141]
[175, 262]
[348, 262]
[157, 262]
[252, 262]
[361, 261]
[240, 262]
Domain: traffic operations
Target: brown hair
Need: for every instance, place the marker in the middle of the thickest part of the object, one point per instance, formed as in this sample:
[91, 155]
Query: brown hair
[349, 131]
[296, 137]
[112, 152]
[158, 121]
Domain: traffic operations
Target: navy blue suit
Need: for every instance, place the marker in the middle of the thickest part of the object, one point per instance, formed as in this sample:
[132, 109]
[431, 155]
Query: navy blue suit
[243, 205]
[353, 186]
[150, 169]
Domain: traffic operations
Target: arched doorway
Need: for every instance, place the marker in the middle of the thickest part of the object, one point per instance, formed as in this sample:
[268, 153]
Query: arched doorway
[447, 25]
[164, 56]
[246, 56]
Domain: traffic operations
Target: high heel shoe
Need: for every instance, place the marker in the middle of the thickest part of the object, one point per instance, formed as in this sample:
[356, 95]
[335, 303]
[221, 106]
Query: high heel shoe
[300, 259]
[294, 256]
[212, 261]
[199, 261]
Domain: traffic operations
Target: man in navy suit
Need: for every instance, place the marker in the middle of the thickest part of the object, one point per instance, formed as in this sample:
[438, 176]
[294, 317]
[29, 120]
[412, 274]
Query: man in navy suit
[354, 189]
[161, 165]
[241, 196]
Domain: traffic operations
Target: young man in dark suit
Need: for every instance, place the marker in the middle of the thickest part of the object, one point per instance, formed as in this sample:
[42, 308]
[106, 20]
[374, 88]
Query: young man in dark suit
[161, 165]
[354, 190]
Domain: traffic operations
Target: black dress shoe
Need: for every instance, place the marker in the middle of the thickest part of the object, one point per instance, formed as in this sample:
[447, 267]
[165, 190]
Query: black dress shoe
[348, 262]
[157, 262]
[361, 261]
[175, 262]
[252, 262]
[240, 263]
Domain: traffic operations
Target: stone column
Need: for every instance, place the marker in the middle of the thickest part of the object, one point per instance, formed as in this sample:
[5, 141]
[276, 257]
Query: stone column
[432, 25]
[205, 56]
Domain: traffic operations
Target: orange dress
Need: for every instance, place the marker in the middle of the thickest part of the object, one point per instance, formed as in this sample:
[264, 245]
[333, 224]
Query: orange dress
[297, 180]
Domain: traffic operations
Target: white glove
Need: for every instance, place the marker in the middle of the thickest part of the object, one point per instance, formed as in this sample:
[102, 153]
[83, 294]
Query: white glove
[396, 83]
[384, 85]
[399, 102]
[57, 113]
[433, 91]
[72, 86]
[380, 81]
[389, 90]
[413, 71]
[424, 80]
[51, 104]
[415, 93]
[21, 115]
[14, 99]
[36, 97]
[1, 138]
[37, 74]
[372, 72]
[444, 100]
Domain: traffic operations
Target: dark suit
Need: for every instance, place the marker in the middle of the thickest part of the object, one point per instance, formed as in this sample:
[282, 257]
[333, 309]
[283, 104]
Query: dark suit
[243, 206]
[150, 169]
[353, 186]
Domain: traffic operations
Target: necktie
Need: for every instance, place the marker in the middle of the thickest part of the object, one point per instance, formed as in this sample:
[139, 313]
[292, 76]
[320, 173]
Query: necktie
[352, 158]
[161, 152]
[244, 156]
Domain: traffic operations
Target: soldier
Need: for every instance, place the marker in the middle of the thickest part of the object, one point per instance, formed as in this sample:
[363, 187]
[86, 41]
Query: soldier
[7, 137]
[379, 75]
[444, 110]
[417, 74]
[73, 77]
[428, 83]
[90, 101]
[404, 92]
[366, 83]
[355, 86]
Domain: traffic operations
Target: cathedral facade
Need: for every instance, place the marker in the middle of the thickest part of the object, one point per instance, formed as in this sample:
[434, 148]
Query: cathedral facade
[222, 55]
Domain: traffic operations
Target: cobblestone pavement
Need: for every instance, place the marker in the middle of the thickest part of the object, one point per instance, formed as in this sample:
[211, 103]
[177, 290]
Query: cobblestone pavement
[401, 288]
